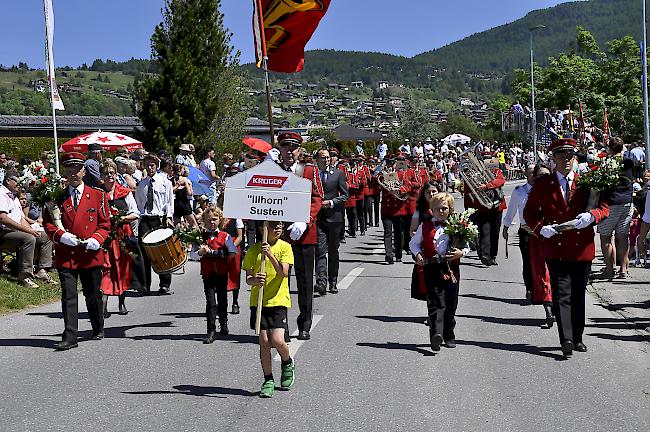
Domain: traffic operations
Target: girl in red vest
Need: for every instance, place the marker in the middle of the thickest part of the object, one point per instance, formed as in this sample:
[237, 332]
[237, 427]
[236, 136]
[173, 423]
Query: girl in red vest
[437, 253]
[215, 252]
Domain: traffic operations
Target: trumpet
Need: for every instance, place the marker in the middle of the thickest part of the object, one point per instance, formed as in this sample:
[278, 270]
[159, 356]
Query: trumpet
[390, 181]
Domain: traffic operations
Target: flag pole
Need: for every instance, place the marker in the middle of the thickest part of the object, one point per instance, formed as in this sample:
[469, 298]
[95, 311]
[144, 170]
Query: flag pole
[265, 65]
[50, 70]
[56, 140]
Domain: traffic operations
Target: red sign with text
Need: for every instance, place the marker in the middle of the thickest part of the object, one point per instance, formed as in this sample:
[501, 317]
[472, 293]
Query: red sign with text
[266, 181]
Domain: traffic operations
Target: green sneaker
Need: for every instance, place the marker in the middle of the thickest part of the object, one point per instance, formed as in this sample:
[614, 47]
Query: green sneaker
[268, 389]
[288, 375]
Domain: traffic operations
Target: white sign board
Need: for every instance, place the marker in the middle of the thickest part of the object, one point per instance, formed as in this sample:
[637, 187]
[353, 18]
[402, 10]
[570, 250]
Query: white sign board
[267, 192]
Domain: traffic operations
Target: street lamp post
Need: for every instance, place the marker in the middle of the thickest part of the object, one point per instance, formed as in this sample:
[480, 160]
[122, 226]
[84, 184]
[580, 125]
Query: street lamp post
[532, 86]
[644, 84]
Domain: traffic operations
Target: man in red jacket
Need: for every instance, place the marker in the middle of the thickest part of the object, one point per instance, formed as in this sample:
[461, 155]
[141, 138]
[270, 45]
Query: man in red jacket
[393, 209]
[302, 236]
[554, 199]
[85, 217]
[488, 220]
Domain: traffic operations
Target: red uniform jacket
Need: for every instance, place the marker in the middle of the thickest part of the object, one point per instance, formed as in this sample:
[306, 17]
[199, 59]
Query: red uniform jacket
[211, 266]
[392, 206]
[352, 184]
[373, 184]
[546, 206]
[90, 219]
[310, 172]
[366, 180]
[416, 185]
[499, 181]
[362, 183]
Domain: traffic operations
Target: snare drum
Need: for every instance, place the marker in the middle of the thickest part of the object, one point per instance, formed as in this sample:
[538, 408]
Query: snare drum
[164, 250]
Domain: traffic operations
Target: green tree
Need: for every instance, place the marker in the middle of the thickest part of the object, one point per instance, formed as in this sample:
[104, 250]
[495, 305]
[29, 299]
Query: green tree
[415, 124]
[195, 97]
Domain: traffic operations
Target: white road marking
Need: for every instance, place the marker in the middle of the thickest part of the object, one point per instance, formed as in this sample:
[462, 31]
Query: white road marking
[295, 344]
[378, 251]
[349, 278]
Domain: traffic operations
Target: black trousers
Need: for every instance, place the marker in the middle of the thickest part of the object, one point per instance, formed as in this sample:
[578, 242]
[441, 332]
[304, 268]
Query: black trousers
[442, 300]
[406, 231]
[488, 223]
[375, 204]
[148, 224]
[393, 233]
[370, 221]
[216, 300]
[351, 213]
[524, 247]
[361, 214]
[569, 284]
[303, 258]
[327, 252]
[90, 284]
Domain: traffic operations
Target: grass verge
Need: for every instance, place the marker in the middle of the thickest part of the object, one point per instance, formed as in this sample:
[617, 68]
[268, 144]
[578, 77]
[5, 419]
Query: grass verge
[14, 297]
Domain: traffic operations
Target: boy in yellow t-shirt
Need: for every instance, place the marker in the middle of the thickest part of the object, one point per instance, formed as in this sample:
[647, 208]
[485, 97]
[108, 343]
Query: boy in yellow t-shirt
[275, 302]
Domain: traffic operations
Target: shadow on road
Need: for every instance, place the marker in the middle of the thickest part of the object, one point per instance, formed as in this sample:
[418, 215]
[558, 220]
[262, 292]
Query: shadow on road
[193, 390]
[57, 315]
[523, 348]
[393, 319]
[521, 302]
[36, 343]
[185, 314]
[418, 348]
[494, 281]
[528, 322]
[615, 337]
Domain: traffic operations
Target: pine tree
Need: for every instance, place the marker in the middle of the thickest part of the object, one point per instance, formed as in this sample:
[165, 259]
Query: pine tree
[196, 96]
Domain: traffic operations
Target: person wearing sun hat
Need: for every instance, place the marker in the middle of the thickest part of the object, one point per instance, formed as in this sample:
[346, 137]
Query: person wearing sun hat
[553, 200]
[85, 221]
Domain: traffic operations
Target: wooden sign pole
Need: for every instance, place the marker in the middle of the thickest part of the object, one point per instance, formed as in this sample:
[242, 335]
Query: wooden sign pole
[260, 290]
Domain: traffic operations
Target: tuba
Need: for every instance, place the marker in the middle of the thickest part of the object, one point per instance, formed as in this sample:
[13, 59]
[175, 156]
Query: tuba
[390, 181]
[474, 174]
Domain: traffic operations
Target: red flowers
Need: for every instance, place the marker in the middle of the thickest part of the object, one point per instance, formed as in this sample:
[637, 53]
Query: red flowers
[45, 180]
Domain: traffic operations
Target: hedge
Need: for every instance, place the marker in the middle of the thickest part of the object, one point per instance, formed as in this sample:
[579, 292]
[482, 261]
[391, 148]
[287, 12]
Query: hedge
[26, 147]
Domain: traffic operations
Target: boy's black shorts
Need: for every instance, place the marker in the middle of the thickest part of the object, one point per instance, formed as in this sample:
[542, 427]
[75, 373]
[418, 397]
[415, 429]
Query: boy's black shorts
[272, 317]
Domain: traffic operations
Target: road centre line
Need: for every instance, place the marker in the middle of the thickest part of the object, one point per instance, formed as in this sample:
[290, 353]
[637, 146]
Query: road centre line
[349, 278]
[295, 344]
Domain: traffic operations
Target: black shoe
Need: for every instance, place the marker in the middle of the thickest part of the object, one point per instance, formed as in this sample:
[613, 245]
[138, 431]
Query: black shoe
[435, 340]
[235, 309]
[320, 291]
[343, 240]
[223, 330]
[334, 289]
[580, 347]
[486, 262]
[97, 336]
[389, 259]
[451, 343]
[567, 348]
[165, 291]
[550, 319]
[123, 311]
[363, 233]
[65, 345]
[107, 314]
[398, 259]
[211, 337]
[352, 236]
[494, 261]
[303, 335]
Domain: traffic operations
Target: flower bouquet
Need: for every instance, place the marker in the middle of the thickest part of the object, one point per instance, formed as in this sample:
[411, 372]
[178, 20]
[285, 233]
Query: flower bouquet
[128, 244]
[603, 175]
[190, 236]
[46, 188]
[460, 229]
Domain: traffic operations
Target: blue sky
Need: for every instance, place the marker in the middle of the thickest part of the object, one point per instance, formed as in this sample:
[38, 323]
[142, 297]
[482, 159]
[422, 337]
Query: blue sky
[120, 29]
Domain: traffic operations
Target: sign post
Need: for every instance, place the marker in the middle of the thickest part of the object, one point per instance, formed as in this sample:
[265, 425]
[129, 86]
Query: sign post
[266, 192]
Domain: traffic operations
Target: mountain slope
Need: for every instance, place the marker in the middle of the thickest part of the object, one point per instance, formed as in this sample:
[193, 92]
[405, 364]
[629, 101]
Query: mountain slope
[503, 48]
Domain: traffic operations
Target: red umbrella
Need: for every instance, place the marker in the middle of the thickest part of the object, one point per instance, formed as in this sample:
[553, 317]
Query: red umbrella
[109, 141]
[257, 144]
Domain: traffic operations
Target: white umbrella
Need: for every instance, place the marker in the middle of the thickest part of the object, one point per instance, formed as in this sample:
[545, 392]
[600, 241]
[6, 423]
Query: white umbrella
[456, 139]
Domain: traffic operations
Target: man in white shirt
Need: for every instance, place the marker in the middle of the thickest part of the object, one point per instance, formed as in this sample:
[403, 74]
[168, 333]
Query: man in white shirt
[417, 150]
[209, 168]
[16, 231]
[405, 147]
[183, 157]
[155, 199]
[429, 147]
[382, 150]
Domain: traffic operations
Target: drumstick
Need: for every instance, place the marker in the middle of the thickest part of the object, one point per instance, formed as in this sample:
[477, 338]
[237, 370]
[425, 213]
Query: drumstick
[260, 290]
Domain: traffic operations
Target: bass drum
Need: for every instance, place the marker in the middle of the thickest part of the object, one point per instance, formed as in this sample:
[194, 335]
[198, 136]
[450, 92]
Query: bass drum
[164, 250]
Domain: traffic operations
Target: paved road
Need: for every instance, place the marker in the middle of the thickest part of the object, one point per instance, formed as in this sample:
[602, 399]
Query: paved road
[368, 366]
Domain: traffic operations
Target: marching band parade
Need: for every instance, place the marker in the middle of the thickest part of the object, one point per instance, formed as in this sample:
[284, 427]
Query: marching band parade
[258, 240]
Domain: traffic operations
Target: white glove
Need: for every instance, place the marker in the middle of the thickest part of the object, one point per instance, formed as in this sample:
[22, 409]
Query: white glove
[92, 244]
[69, 239]
[297, 229]
[274, 155]
[548, 231]
[583, 220]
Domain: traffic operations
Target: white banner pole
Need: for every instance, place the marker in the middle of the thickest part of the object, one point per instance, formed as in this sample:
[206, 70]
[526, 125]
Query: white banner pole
[55, 99]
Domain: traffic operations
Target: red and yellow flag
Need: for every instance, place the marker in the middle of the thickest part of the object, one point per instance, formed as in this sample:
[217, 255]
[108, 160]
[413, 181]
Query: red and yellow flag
[288, 25]
[605, 129]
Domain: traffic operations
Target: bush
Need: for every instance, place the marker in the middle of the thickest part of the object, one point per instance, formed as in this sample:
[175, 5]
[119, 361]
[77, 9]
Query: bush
[24, 147]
